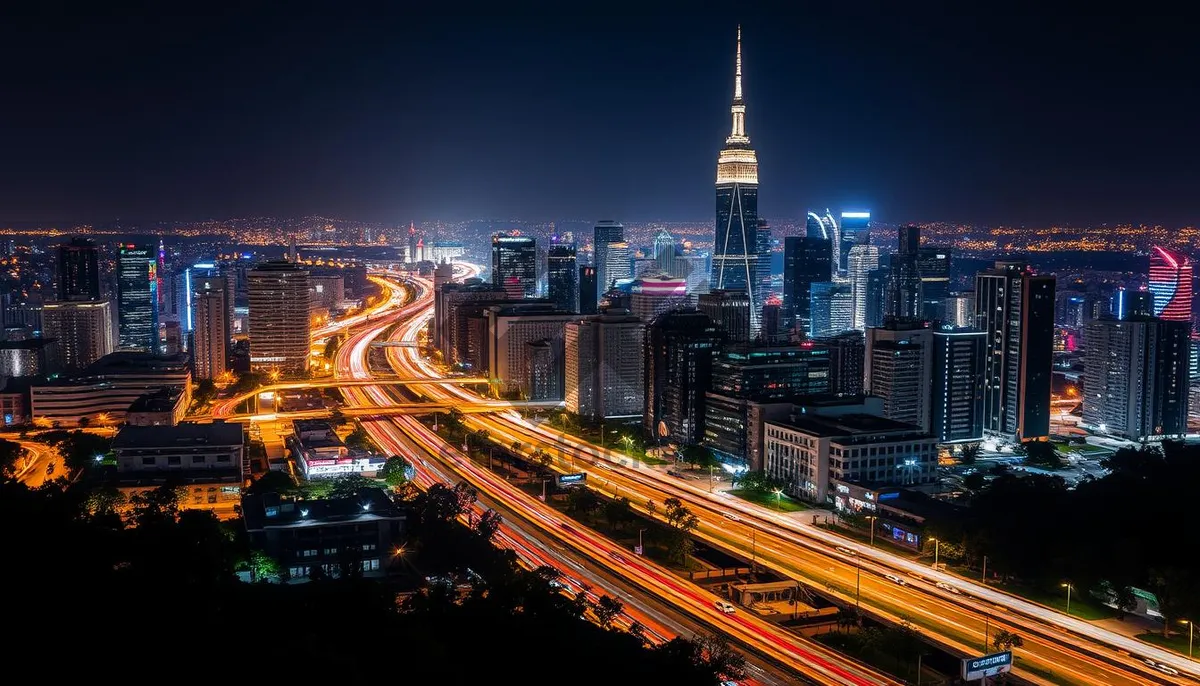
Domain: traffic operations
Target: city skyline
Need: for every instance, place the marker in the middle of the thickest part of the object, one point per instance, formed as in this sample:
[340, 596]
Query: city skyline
[424, 115]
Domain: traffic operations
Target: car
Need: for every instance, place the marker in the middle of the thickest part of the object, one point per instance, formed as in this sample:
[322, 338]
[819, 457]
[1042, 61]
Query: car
[845, 551]
[617, 556]
[947, 587]
[895, 579]
[732, 516]
[1171, 671]
[725, 606]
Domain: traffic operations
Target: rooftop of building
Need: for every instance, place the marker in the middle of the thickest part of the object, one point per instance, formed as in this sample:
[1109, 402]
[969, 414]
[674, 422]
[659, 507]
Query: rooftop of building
[306, 425]
[127, 362]
[181, 436]
[278, 266]
[855, 424]
[270, 510]
[162, 400]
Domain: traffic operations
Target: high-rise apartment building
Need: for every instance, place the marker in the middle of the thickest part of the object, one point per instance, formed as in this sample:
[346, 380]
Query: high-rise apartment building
[280, 324]
[1171, 282]
[959, 310]
[877, 296]
[137, 299]
[210, 334]
[763, 267]
[78, 271]
[605, 233]
[904, 289]
[82, 333]
[898, 367]
[730, 311]
[588, 295]
[933, 263]
[604, 366]
[855, 230]
[847, 351]
[735, 250]
[806, 260]
[618, 264]
[679, 352]
[1015, 308]
[562, 277]
[831, 307]
[958, 384]
[860, 262]
[510, 330]
[1136, 377]
[514, 265]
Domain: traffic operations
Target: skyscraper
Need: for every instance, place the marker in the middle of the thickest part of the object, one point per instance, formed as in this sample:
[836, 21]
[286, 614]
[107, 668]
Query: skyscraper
[825, 228]
[763, 266]
[514, 265]
[78, 271]
[877, 289]
[618, 264]
[679, 352]
[651, 296]
[861, 261]
[1015, 308]
[279, 317]
[735, 251]
[664, 253]
[904, 288]
[831, 308]
[137, 299]
[958, 384]
[806, 260]
[1136, 377]
[605, 233]
[855, 230]
[82, 332]
[934, 266]
[210, 339]
[730, 311]
[1171, 283]
[562, 276]
[588, 295]
[847, 351]
[604, 364]
[898, 367]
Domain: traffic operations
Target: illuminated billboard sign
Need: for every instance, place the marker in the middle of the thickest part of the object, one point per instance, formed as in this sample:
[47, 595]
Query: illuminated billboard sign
[989, 665]
[572, 479]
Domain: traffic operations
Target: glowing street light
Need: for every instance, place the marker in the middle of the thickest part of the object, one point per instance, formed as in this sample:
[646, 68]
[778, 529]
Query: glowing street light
[778, 498]
[1068, 587]
[936, 545]
[1190, 626]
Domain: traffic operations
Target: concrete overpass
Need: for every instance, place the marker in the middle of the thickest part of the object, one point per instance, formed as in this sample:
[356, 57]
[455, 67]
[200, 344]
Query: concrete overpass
[225, 407]
[393, 410]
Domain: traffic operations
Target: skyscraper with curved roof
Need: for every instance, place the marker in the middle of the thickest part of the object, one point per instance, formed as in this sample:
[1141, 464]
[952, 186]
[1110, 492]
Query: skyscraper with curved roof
[1171, 284]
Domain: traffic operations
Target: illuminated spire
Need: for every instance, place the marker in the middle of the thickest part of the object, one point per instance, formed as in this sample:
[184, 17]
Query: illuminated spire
[737, 79]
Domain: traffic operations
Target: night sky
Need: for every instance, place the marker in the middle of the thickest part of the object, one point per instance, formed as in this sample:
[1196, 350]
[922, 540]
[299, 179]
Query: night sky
[395, 113]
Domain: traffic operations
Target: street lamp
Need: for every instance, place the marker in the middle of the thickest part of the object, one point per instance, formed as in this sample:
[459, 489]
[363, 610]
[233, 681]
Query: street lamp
[640, 549]
[936, 547]
[1068, 587]
[871, 519]
[778, 498]
[1191, 626]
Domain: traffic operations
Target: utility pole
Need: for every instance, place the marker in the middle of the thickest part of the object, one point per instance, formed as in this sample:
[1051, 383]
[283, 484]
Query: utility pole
[857, 582]
[983, 577]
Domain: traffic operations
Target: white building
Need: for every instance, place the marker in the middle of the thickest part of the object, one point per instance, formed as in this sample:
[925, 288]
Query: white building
[604, 366]
[898, 367]
[510, 330]
[862, 259]
[280, 324]
[811, 453]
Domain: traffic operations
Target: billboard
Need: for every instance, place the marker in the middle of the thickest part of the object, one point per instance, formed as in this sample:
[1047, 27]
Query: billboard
[572, 479]
[989, 665]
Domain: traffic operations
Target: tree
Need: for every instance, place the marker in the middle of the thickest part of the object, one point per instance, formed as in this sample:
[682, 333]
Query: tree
[206, 391]
[394, 472]
[78, 449]
[331, 347]
[608, 609]
[1041, 454]
[263, 567]
[105, 501]
[488, 524]
[847, 617]
[699, 456]
[515, 447]
[246, 383]
[273, 482]
[720, 657]
[617, 511]
[1006, 640]
[156, 506]
[10, 455]
[361, 440]
[681, 522]
[348, 485]
[970, 453]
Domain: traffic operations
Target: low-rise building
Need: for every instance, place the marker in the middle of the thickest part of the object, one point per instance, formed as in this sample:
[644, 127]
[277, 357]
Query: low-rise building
[205, 461]
[103, 393]
[164, 407]
[362, 531]
[321, 454]
[809, 453]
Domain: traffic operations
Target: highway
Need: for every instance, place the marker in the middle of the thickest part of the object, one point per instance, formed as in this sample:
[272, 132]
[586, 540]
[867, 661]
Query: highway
[801, 655]
[1056, 646]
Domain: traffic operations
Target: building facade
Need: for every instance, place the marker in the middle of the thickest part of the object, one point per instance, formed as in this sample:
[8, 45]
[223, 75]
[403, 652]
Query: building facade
[1136, 378]
[137, 299]
[731, 312]
[562, 277]
[806, 260]
[280, 324]
[680, 349]
[1171, 275]
[604, 366]
[898, 367]
[958, 384]
[82, 333]
[514, 265]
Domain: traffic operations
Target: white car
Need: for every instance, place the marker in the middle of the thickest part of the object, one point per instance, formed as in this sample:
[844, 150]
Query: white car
[845, 551]
[1166, 670]
[947, 587]
[731, 516]
[895, 579]
[725, 606]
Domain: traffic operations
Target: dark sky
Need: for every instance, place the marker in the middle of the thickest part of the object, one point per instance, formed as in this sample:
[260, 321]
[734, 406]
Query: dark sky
[421, 110]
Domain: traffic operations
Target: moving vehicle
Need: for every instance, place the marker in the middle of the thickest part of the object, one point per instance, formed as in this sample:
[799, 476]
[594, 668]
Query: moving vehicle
[947, 587]
[617, 556]
[732, 516]
[895, 579]
[725, 606]
[845, 551]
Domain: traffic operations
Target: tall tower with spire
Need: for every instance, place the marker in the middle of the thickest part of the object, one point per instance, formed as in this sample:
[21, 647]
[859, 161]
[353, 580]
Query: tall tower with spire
[735, 252]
